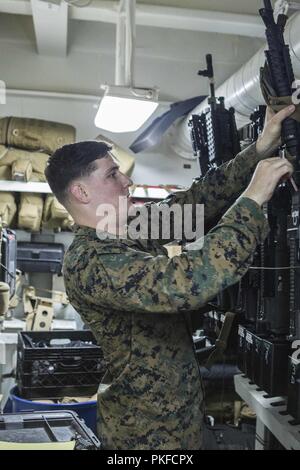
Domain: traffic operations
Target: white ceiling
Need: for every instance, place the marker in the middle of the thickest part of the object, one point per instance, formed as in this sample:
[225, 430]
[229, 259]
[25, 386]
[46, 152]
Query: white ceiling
[51, 21]
[246, 7]
[232, 6]
[249, 7]
[164, 57]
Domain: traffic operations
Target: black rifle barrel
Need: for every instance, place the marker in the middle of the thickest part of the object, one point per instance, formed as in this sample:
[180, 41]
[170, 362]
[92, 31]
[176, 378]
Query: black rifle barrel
[209, 73]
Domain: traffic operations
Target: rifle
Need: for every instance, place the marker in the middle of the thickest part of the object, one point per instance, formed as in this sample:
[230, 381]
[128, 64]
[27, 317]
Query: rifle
[215, 140]
[257, 122]
[213, 133]
[252, 286]
[279, 79]
[250, 132]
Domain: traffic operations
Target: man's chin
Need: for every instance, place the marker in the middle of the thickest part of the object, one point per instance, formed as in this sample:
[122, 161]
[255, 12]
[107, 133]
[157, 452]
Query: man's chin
[131, 207]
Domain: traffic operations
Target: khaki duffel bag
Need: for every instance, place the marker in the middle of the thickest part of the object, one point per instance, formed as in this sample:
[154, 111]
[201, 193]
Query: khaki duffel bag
[30, 212]
[21, 170]
[35, 134]
[55, 215]
[5, 172]
[8, 208]
[20, 159]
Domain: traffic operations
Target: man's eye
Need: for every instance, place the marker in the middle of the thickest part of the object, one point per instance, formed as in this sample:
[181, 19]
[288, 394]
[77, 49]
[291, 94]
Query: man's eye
[113, 175]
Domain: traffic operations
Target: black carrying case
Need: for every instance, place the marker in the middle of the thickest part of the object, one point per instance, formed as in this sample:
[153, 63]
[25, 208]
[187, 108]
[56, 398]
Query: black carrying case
[47, 427]
[9, 259]
[40, 257]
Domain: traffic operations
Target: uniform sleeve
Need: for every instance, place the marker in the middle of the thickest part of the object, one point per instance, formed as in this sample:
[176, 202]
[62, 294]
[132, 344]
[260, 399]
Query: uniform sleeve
[217, 191]
[137, 282]
[220, 185]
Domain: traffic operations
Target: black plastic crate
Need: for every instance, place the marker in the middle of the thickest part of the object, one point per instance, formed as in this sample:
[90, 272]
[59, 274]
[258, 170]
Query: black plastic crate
[55, 364]
[47, 427]
[33, 257]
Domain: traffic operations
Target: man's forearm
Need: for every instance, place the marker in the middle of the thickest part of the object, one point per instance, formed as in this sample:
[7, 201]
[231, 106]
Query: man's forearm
[219, 188]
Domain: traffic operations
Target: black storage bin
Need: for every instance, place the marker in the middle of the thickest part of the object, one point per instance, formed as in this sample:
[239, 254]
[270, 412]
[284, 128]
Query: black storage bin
[55, 364]
[47, 427]
[293, 402]
[9, 259]
[275, 366]
[40, 257]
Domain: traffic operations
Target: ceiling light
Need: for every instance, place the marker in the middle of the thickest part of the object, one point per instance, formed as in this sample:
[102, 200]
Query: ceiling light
[54, 2]
[125, 109]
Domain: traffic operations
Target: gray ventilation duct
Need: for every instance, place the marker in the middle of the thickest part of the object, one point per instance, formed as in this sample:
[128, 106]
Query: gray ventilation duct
[241, 91]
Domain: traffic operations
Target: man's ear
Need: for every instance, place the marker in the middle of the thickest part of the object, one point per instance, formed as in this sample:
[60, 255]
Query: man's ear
[80, 192]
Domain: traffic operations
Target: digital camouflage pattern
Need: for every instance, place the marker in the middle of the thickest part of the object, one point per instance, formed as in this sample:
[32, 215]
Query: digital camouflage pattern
[137, 302]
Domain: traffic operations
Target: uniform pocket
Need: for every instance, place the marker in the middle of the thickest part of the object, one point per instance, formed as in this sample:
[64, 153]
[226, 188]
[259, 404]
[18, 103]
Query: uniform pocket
[109, 382]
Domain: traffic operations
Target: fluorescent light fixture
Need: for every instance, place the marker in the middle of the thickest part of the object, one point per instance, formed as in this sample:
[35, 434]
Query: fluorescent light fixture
[54, 2]
[125, 109]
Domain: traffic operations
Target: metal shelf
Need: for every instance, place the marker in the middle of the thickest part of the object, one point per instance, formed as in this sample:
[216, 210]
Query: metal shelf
[140, 193]
[23, 187]
[270, 411]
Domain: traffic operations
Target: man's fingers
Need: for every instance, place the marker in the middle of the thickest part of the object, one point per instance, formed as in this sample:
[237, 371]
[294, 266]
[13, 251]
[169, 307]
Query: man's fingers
[286, 177]
[284, 170]
[277, 161]
[286, 174]
[269, 114]
[267, 175]
[278, 166]
[288, 168]
[283, 114]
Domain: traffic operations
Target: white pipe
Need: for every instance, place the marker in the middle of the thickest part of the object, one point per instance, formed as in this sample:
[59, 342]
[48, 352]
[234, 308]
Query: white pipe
[130, 41]
[53, 94]
[160, 16]
[120, 46]
[242, 90]
[125, 43]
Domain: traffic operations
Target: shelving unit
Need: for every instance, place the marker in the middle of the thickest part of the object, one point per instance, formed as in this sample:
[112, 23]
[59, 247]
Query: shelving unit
[141, 192]
[271, 414]
[24, 187]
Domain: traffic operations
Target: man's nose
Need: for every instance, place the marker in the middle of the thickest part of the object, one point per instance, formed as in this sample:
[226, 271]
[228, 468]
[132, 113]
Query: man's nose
[128, 181]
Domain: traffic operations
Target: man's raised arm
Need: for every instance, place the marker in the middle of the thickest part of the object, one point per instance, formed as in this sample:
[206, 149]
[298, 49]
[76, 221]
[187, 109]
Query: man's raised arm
[220, 187]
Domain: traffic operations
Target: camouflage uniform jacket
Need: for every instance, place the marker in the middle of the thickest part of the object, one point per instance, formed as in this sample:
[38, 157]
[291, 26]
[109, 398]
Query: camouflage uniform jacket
[134, 298]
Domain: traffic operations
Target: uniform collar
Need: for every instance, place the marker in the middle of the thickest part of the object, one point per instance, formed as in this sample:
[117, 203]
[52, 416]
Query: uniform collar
[84, 230]
[90, 232]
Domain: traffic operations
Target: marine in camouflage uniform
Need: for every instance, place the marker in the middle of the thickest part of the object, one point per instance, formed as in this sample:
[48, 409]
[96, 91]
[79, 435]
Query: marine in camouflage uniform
[137, 302]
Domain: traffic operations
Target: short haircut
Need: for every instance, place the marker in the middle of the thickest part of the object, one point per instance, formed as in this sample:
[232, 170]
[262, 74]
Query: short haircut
[73, 161]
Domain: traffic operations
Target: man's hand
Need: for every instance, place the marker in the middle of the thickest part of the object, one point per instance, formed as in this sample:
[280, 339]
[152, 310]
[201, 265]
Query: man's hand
[269, 140]
[266, 176]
